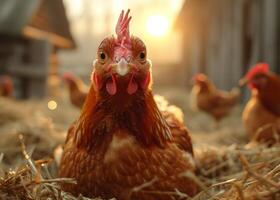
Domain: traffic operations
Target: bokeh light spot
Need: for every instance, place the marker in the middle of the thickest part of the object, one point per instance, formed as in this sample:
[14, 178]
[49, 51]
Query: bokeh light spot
[52, 105]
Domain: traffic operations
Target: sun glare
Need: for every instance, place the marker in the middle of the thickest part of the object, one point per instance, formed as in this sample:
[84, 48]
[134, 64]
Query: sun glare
[157, 25]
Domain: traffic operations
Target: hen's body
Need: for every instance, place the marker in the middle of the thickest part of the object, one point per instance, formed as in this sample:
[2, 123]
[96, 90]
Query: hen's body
[175, 119]
[125, 165]
[209, 99]
[118, 161]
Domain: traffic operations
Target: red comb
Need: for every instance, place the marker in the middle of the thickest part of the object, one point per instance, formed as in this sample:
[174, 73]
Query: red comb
[199, 77]
[257, 69]
[67, 76]
[122, 27]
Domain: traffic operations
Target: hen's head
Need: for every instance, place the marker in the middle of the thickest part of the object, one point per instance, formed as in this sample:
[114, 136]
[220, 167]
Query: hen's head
[257, 76]
[68, 78]
[201, 80]
[121, 66]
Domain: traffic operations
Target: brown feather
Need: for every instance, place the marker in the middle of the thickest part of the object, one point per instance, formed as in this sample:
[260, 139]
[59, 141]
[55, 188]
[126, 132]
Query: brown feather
[268, 94]
[124, 166]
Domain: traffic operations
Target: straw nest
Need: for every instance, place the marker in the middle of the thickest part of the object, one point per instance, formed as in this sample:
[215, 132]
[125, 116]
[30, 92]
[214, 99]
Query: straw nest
[28, 170]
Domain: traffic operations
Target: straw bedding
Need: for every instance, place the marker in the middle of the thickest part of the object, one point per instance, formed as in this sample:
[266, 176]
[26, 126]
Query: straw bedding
[30, 136]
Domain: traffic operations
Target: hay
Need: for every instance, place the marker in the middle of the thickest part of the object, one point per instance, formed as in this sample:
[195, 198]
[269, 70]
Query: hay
[38, 130]
[240, 173]
[248, 174]
[33, 180]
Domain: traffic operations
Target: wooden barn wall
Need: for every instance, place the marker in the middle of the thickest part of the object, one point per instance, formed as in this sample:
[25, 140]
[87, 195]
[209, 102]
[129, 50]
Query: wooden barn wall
[232, 36]
[264, 31]
[220, 65]
[271, 33]
[224, 45]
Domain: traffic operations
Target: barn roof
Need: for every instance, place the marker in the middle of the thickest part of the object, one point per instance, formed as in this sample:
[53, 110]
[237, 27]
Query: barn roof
[37, 19]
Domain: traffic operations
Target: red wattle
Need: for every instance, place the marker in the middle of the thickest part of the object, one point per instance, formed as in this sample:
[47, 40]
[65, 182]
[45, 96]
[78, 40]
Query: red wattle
[132, 86]
[111, 86]
[96, 81]
[146, 82]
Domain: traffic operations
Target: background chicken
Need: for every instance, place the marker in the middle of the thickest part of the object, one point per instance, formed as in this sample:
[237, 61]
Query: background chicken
[77, 89]
[121, 146]
[261, 116]
[207, 98]
[6, 86]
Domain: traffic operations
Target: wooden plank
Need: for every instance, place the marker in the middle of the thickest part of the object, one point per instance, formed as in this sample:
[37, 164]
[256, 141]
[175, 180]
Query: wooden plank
[255, 32]
[237, 44]
[55, 39]
[270, 33]
[214, 43]
[225, 51]
[27, 70]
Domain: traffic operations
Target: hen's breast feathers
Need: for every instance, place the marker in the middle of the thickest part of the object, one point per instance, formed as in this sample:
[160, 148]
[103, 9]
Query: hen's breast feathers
[126, 165]
[120, 163]
[259, 122]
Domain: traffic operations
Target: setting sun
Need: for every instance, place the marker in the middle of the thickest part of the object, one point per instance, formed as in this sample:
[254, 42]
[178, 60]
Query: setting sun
[157, 25]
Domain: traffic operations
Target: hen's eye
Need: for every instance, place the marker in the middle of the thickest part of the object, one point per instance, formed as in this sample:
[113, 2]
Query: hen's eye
[142, 55]
[102, 56]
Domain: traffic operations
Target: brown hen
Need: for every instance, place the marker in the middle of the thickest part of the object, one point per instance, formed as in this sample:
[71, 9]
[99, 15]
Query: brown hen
[211, 100]
[122, 146]
[76, 88]
[261, 116]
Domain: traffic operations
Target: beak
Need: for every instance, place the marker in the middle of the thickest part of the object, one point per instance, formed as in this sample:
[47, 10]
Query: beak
[122, 67]
[242, 82]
